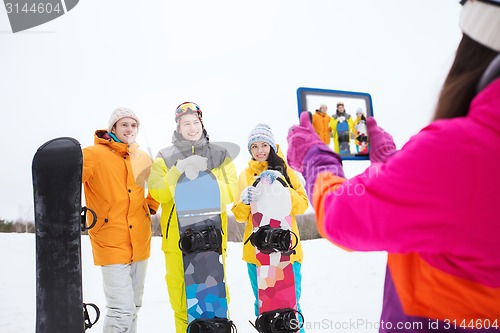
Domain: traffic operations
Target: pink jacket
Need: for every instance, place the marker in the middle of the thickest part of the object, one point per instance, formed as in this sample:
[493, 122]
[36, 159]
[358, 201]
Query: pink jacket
[434, 207]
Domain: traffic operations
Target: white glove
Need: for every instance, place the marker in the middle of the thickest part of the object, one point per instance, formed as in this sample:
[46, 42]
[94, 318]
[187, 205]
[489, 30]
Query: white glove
[250, 194]
[269, 176]
[341, 119]
[192, 165]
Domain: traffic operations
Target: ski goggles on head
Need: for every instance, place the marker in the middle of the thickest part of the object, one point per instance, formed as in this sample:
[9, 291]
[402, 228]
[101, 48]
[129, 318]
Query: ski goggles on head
[187, 108]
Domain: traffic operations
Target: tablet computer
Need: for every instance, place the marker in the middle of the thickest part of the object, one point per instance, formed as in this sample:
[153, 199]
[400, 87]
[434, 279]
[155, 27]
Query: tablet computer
[345, 112]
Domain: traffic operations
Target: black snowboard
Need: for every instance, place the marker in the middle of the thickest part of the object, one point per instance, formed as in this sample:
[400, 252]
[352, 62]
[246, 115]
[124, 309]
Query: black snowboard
[57, 183]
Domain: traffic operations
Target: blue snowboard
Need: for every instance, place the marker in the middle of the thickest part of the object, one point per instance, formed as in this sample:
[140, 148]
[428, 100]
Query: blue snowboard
[198, 211]
[343, 137]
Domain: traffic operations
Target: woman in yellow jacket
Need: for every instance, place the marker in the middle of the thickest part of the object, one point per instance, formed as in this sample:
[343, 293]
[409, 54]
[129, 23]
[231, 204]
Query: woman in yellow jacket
[115, 171]
[360, 133]
[190, 153]
[266, 155]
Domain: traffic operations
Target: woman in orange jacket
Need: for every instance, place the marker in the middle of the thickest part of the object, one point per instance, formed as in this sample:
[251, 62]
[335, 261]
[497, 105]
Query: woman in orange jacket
[114, 175]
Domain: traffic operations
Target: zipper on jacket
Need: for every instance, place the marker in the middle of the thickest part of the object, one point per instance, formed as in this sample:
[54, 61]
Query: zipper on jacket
[168, 223]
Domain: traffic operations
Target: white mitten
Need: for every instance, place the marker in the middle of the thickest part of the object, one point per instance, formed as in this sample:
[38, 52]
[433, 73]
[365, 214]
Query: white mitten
[191, 172]
[250, 194]
[192, 165]
[269, 176]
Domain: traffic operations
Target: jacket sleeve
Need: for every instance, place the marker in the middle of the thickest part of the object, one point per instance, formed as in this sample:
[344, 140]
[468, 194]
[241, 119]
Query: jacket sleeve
[228, 181]
[88, 165]
[350, 122]
[399, 206]
[333, 125]
[300, 202]
[152, 204]
[354, 124]
[241, 211]
[162, 181]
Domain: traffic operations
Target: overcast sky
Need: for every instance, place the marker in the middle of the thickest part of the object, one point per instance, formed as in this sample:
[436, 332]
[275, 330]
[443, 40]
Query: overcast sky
[242, 62]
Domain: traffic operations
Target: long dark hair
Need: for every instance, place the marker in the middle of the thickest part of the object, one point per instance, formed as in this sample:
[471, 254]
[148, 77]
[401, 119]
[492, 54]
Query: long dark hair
[459, 88]
[274, 162]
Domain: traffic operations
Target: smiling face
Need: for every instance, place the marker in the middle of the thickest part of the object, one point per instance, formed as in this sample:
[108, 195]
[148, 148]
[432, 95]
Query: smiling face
[260, 150]
[126, 130]
[190, 127]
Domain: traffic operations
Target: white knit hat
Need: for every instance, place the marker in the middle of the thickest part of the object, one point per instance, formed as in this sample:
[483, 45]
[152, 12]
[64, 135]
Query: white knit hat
[481, 22]
[262, 132]
[120, 113]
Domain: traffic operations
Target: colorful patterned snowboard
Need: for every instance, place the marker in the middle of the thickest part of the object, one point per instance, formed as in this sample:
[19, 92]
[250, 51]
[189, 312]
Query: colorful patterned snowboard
[198, 211]
[275, 277]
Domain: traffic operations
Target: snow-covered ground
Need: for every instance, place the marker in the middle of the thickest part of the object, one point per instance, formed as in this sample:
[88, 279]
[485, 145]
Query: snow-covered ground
[341, 291]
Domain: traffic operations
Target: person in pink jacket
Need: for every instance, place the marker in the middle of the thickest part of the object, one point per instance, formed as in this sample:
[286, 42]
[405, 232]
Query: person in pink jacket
[432, 208]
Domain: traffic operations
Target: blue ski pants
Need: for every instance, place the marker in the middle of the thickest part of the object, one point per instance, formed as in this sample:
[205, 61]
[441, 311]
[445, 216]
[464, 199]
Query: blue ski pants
[252, 274]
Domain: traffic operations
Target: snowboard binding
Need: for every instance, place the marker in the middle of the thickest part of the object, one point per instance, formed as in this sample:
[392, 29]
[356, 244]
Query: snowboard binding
[344, 142]
[87, 321]
[208, 239]
[84, 226]
[343, 137]
[362, 138]
[279, 321]
[213, 325]
[268, 240]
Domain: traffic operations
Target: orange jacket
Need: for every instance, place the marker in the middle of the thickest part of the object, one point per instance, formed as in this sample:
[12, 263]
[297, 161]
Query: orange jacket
[321, 124]
[114, 175]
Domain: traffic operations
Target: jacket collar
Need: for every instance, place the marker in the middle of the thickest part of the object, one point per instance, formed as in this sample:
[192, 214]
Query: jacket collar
[258, 167]
[101, 137]
[186, 145]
